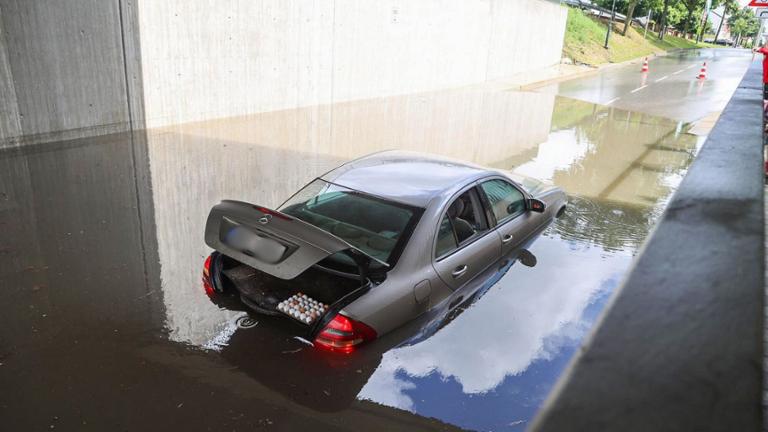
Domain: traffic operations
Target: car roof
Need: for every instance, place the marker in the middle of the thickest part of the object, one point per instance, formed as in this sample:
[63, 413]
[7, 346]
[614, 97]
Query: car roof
[408, 177]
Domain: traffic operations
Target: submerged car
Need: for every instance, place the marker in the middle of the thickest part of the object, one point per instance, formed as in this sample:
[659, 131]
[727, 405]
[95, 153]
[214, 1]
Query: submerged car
[373, 244]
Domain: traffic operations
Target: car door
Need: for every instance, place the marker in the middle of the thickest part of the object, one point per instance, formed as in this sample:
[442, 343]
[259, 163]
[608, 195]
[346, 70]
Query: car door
[460, 254]
[507, 211]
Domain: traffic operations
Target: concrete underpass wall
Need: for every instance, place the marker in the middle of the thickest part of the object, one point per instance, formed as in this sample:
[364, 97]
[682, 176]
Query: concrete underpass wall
[203, 61]
[62, 69]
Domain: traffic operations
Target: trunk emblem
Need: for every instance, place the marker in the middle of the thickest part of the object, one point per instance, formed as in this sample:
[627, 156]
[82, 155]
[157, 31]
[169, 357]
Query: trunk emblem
[265, 219]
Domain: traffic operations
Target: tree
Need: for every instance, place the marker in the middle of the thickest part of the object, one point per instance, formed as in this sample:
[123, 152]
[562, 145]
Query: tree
[630, 13]
[666, 12]
[729, 7]
[692, 6]
[664, 19]
[743, 23]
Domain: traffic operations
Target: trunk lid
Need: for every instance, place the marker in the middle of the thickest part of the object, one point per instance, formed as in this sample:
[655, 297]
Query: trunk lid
[273, 242]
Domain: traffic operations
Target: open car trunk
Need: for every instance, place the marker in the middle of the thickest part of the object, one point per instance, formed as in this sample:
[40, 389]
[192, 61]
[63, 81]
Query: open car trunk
[263, 293]
[271, 260]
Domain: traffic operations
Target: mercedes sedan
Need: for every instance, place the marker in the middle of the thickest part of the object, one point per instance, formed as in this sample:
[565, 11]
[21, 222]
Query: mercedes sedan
[373, 244]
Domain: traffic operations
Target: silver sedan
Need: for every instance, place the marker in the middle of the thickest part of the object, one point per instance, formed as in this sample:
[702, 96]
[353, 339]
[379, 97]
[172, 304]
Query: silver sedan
[374, 244]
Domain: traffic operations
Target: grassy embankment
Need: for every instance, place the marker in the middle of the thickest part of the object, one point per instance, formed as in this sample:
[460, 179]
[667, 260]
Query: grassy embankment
[585, 36]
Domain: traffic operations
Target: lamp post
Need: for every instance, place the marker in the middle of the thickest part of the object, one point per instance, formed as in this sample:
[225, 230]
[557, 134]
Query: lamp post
[610, 23]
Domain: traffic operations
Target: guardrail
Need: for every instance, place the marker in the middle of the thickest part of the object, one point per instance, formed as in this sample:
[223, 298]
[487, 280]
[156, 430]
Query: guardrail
[681, 345]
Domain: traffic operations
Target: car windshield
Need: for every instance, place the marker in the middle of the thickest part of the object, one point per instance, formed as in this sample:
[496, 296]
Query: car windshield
[371, 224]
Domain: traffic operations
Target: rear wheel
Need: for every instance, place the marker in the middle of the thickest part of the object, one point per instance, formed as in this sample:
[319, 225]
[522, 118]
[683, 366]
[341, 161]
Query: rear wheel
[560, 212]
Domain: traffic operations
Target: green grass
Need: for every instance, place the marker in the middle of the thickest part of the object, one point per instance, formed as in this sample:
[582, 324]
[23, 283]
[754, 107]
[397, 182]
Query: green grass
[672, 42]
[585, 36]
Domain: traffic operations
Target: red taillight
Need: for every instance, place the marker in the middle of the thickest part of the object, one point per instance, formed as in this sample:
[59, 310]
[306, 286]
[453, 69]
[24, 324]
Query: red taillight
[207, 285]
[343, 334]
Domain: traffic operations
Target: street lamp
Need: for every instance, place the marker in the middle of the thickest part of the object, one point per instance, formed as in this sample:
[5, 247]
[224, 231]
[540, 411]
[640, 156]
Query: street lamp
[610, 24]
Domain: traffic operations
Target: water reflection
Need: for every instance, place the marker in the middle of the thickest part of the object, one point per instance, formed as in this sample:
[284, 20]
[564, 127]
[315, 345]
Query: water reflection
[97, 216]
[482, 360]
[504, 350]
[508, 349]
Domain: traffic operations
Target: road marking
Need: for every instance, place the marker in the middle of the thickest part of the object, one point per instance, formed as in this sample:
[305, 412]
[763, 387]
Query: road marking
[675, 73]
[662, 78]
[690, 66]
[612, 101]
[639, 88]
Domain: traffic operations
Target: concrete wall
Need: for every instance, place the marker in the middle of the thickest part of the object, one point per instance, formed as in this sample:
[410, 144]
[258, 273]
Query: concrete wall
[71, 69]
[10, 123]
[202, 61]
[62, 68]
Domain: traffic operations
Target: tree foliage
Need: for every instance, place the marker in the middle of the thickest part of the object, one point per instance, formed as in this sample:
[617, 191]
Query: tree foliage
[684, 15]
[744, 23]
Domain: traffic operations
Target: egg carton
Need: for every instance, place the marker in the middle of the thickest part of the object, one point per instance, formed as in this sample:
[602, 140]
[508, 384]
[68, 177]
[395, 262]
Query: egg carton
[302, 308]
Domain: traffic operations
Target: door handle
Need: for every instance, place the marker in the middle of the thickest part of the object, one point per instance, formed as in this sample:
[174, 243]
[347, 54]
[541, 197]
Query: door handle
[507, 238]
[459, 271]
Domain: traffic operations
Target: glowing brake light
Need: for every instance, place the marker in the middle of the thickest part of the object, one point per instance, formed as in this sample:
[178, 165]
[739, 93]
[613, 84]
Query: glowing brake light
[207, 285]
[342, 334]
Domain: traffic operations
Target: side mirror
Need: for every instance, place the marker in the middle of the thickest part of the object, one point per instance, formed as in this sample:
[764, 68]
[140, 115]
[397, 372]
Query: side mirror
[537, 206]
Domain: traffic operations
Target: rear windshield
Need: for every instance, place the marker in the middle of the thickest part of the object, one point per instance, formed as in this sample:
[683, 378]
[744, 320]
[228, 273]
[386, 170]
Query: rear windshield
[376, 226]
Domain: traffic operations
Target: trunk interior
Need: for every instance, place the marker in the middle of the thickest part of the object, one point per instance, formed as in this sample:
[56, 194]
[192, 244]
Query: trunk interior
[263, 292]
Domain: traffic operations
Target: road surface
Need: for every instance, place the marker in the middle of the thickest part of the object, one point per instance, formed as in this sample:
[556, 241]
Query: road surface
[670, 88]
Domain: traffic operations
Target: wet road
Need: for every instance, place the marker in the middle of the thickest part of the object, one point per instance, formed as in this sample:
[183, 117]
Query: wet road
[670, 88]
[106, 327]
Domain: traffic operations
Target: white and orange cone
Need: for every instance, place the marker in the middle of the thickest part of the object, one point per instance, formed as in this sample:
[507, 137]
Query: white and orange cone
[703, 73]
[645, 65]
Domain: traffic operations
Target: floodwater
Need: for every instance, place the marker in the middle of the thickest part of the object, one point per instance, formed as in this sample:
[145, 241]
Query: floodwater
[106, 326]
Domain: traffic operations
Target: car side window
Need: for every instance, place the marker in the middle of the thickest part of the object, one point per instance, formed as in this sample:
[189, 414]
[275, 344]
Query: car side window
[463, 220]
[446, 241]
[506, 201]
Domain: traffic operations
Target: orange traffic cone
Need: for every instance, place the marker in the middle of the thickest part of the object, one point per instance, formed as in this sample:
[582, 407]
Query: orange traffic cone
[645, 65]
[703, 73]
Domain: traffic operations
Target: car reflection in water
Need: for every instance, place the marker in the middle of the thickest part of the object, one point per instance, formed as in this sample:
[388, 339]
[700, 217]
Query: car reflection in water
[328, 381]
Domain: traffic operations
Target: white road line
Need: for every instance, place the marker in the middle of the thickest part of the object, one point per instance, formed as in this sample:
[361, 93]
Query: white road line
[639, 88]
[675, 73]
[662, 78]
[612, 101]
[690, 66]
